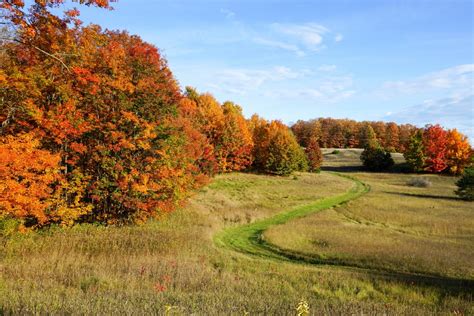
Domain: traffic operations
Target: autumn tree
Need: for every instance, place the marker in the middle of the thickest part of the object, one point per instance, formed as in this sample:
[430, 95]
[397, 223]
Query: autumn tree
[392, 137]
[106, 104]
[458, 152]
[305, 130]
[276, 150]
[380, 132]
[405, 133]
[236, 144]
[225, 128]
[32, 185]
[435, 148]
[314, 155]
[350, 131]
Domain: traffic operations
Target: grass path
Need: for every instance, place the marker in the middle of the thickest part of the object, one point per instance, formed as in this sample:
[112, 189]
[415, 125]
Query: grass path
[248, 240]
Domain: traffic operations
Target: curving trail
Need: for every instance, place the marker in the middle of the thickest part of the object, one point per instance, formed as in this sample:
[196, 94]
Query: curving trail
[248, 240]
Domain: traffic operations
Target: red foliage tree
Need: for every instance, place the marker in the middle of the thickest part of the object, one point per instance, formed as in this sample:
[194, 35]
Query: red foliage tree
[314, 155]
[434, 147]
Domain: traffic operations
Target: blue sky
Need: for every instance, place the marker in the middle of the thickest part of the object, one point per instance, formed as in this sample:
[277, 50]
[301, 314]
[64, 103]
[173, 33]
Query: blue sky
[406, 61]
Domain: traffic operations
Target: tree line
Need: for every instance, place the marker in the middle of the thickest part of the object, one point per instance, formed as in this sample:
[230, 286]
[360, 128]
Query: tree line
[345, 133]
[429, 149]
[95, 128]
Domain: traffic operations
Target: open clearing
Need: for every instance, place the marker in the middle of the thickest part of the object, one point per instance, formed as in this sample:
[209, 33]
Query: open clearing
[375, 241]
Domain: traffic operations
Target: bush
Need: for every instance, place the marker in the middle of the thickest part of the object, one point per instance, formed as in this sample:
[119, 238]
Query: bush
[336, 152]
[376, 159]
[466, 185]
[419, 182]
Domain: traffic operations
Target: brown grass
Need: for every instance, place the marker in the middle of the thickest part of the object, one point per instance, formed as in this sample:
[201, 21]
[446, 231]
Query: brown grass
[393, 227]
[173, 265]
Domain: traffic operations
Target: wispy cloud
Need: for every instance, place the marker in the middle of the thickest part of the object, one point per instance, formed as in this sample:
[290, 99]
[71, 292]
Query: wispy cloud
[240, 81]
[451, 103]
[227, 13]
[297, 38]
[327, 68]
[310, 34]
[454, 78]
[331, 89]
[451, 112]
[282, 45]
[338, 38]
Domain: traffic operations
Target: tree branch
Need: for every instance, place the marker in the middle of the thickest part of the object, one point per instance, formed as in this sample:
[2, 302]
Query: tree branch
[38, 49]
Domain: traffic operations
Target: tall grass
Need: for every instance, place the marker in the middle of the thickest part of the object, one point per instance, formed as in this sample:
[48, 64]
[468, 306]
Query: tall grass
[173, 265]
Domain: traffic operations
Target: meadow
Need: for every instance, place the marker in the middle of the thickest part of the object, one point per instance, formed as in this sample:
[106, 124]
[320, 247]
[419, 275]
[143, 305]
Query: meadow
[393, 249]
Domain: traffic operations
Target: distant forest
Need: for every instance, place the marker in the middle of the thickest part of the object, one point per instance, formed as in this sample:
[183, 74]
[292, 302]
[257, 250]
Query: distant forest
[345, 133]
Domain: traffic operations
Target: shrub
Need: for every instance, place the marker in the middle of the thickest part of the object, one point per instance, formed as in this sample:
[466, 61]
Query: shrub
[466, 185]
[336, 152]
[376, 159]
[419, 182]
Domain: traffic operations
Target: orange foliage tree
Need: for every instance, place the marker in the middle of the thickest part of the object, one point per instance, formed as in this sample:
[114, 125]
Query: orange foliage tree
[107, 105]
[33, 187]
[224, 126]
[314, 155]
[458, 152]
[276, 150]
[237, 144]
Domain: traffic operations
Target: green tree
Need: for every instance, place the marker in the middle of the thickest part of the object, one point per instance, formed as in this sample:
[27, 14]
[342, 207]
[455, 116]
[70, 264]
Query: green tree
[414, 154]
[376, 159]
[466, 185]
[368, 137]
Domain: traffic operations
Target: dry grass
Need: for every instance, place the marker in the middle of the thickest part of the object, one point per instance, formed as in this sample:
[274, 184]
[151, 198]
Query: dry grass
[173, 265]
[393, 227]
[348, 159]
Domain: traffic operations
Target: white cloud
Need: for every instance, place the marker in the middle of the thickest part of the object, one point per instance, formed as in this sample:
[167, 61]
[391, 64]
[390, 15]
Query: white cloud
[282, 45]
[327, 68]
[327, 90]
[240, 81]
[309, 34]
[297, 38]
[455, 78]
[452, 112]
[227, 13]
[338, 38]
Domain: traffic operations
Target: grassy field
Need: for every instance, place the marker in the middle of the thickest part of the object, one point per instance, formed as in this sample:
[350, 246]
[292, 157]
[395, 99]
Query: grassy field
[173, 266]
[395, 227]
